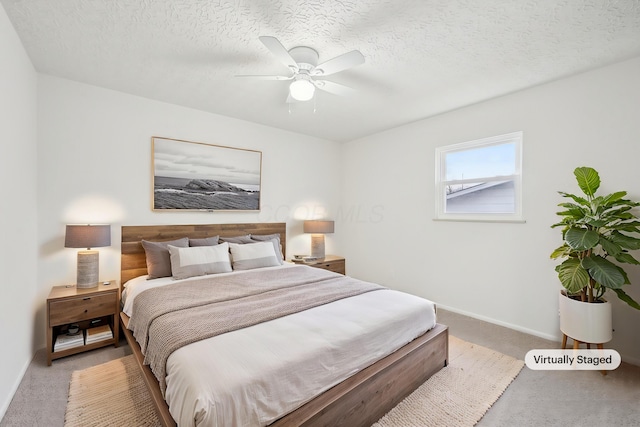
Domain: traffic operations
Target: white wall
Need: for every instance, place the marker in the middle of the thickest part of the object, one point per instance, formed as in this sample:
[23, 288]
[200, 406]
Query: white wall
[95, 166]
[499, 272]
[18, 254]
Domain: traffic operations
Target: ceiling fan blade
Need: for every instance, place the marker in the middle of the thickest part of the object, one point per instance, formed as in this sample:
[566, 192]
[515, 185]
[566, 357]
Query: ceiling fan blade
[339, 63]
[258, 77]
[333, 87]
[274, 45]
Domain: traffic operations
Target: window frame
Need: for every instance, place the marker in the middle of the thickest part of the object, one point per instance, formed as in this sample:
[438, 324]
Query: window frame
[441, 182]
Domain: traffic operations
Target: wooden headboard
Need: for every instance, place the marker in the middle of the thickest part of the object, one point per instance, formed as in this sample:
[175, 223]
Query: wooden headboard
[133, 261]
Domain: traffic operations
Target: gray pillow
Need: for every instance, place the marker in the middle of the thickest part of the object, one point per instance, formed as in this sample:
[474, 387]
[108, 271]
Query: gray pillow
[237, 239]
[158, 258]
[275, 239]
[207, 241]
[199, 260]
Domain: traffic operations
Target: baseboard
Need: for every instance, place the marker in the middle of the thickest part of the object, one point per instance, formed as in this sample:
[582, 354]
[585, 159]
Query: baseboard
[556, 338]
[630, 360]
[14, 389]
[501, 323]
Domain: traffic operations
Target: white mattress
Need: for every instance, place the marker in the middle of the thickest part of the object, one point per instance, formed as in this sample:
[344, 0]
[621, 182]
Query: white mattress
[255, 375]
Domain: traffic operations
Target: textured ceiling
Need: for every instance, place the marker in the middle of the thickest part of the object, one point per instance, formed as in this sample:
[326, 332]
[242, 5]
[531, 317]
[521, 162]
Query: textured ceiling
[423, 57]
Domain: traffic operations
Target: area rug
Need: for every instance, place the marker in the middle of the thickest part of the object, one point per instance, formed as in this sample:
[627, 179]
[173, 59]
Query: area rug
[114, 394]
[460, 394]
[111, 394]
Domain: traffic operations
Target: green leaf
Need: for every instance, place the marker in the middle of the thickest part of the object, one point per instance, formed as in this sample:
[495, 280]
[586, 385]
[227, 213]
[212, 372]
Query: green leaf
[568, 220]
[574, 212]
[561, 252]
[596, 223]
[572, 275]
[604, 271]
[583, 210]
[626, 257]
[613, 197]
[580, 200]
[625, 216]
[625, 202]
[580, 239]
[626, 298]
[611, 248]
[588, 180]
[615, 212]
[631, 227]
[624, 274]
[596, 204]
[627, 242]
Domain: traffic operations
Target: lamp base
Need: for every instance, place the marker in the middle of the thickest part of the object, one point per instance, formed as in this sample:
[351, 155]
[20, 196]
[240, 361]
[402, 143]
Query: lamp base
[88, 264]
[317, 245]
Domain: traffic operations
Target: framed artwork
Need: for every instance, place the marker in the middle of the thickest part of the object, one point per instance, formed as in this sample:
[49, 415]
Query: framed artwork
[194, 176]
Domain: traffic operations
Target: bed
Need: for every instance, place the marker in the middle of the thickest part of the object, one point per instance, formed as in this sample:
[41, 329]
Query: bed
[354, 390]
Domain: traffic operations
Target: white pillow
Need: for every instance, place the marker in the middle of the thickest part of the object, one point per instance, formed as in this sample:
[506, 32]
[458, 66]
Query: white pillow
[273, 238]
[253, 255]
[199, 260]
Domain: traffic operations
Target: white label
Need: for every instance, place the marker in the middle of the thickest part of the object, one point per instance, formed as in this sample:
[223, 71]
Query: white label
[580, 360]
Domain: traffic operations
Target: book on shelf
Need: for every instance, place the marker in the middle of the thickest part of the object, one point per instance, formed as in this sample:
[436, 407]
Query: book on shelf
[99, 333]
[66, 341]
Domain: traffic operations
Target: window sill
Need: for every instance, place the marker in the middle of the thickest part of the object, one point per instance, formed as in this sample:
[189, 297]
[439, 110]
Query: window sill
[479, 219]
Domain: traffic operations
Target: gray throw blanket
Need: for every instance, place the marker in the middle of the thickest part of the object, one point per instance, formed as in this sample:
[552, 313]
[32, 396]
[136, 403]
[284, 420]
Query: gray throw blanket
[169, 317]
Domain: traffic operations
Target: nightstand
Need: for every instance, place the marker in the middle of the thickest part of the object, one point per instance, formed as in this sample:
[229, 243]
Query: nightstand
[331, 263]
[90, 309]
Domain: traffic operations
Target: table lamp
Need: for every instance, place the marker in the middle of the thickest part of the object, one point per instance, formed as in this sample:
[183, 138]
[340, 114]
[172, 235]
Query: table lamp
[318, 229]
[87, 236]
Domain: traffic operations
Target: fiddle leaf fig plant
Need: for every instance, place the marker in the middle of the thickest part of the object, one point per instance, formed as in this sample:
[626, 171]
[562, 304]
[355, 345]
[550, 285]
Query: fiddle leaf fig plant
[598, 233]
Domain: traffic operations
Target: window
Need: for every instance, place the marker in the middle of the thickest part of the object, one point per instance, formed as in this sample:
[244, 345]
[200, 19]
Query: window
[480, 180]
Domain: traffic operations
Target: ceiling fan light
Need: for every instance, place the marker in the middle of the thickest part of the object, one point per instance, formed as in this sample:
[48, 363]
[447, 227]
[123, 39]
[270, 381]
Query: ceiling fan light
[302, 90]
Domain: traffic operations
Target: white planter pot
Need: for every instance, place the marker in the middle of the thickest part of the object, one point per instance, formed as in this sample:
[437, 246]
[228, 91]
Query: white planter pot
[589, 323]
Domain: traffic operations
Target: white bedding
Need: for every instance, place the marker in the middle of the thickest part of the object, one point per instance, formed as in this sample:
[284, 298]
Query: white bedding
[207, 382]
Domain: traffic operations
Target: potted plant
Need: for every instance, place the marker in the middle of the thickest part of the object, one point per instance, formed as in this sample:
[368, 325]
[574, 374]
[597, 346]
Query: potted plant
[598, 233]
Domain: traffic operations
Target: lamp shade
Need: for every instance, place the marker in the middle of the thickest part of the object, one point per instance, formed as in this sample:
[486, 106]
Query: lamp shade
[87, 236]
[318, 227]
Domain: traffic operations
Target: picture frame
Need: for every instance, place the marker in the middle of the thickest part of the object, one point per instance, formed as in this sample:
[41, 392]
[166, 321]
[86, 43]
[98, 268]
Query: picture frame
[196, 176]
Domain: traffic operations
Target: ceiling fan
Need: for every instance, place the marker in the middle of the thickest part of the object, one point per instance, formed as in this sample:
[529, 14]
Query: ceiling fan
[306, 73]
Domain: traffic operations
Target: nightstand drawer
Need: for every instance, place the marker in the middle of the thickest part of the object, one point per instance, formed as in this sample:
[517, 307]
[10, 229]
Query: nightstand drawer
[335, 266]
[81, 308]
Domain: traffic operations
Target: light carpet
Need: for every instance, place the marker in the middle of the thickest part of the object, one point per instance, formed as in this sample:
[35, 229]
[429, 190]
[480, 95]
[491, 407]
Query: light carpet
[114, 393]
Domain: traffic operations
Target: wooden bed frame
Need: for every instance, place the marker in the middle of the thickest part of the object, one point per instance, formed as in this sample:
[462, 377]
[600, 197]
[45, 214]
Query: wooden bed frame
[360, 400]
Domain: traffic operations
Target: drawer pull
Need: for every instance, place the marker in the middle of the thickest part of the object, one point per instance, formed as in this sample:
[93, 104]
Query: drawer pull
[86, 311]
[86, 299]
